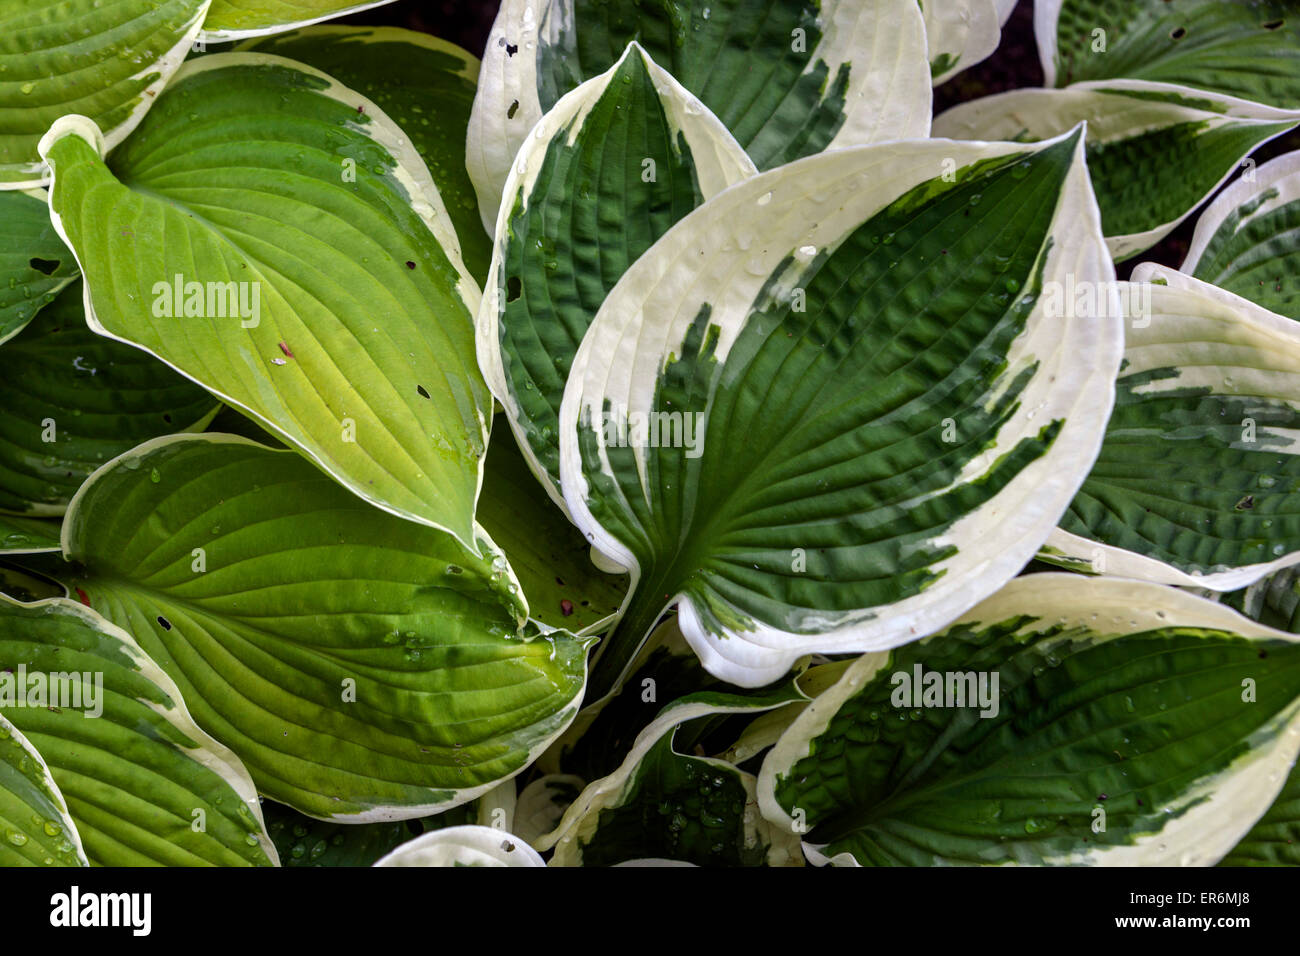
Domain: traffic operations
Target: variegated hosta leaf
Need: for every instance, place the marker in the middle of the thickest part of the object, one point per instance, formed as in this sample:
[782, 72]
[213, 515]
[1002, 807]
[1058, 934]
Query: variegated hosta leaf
[542, 804]
[20, 535]
[661, 802]
[1198, 480]
[604, 175]
[144, 785]
[830, 409]
[1066, 720]
[1155, 151]
[103, 60]
[21, 586]
[303, 841]
[960, 33]
[1275, 839]
[424, 84]
[787, 79]
[34, 262]
[1273, 600]
[35, 827]
[363, 667]
[321, 286]
[464, 846]
[73, 400]
[549, 556]
[1250, 50]
[1248, 240]
[237, 19]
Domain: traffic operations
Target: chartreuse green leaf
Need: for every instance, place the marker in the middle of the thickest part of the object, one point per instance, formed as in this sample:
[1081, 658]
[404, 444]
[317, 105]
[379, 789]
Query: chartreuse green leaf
[788, 79]
[627, 147]
[464, 846]
[1248, 240]
[144, 785]
[960, 33]
[1198, 480]
[237, 19]
[104, 60]
[550, 557]
[831, 409]
[19, 535]
[73, 400]
[1066, 720]
[34, 821]
[274, 237]
[1155, 151]
[1250, 50]
[660, 802]
[34, 262]
[424, 84]
[363, 667]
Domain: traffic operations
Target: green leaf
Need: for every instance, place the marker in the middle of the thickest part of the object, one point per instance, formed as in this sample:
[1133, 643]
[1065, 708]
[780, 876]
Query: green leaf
[20, 535]
[21, 585]
[110, 67]
[302, 841]
[34, 821]
[837, 437]
[238, 19]
[1198, 480]
[627, 147]
[660, 802]
[1250, 50]
[1248, 240]
[1155, 151]
[1275, 839]
[363, 667]
[1117, 723]
[549, 556]
[464, 846]
[144, 785]
[74, 399]
[788, 79]
[34, 262]
[959, 34]
[424, 84]
[353, 335]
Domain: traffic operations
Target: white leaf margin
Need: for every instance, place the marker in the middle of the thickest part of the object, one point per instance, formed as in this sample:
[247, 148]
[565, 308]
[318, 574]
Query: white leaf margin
[207, 752]
[469, 845]
[824, 198]
[411, 174]
[881, 105]
[719, 162]
[226, 36]
[1281, 174]
[1181, 305]
[968, 30]
[1217, 812]
[1113, 110]
[53, 792]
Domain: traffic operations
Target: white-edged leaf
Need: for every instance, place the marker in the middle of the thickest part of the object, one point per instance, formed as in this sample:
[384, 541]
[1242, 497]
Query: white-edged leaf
[464, 846]
[1155, 150]
[961, 33]
[885, 422]
[35, 827]
[240, 19]
[1117, 723]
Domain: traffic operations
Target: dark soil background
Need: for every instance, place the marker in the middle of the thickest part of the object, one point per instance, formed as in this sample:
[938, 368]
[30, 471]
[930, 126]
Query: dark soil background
[1013, 65]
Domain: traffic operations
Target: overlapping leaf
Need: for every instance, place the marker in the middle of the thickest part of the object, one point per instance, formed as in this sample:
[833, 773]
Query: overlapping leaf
[788, 79]
[1155, 151]
[362, 667]
[1250, 50]
[237, 19]
[73, 400]
[34, 821]
[1198, 480]
[34, 262]
[1248, 240]
[605, 174]
[960, 33]
[1064, 720]
[105, 60]
[830, 409]
[464, 846]
[320, 286]
[143, 784]
[19, 535]
[424, 84]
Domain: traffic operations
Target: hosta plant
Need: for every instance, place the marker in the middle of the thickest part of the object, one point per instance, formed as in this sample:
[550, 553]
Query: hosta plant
[652, 438]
